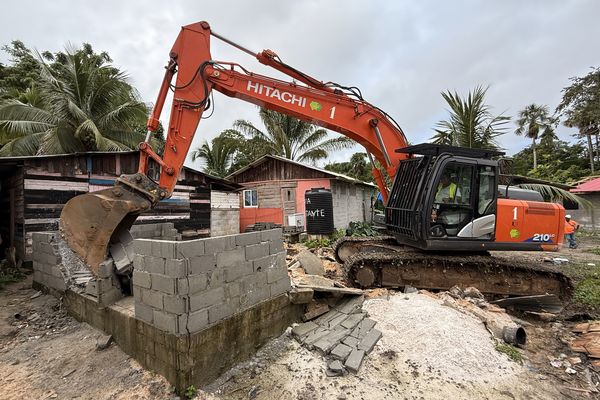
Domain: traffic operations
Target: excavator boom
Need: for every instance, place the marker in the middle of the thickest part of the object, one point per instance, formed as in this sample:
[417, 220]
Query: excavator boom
[90, 222]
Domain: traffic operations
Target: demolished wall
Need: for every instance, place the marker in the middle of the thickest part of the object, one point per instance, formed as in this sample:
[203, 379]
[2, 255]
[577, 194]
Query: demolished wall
[184, 287]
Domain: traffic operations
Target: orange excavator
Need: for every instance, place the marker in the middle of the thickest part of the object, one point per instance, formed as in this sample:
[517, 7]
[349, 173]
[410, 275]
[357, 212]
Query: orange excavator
[444, 208]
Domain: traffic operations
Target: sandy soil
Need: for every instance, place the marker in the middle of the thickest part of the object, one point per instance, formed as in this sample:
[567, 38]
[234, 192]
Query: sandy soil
[428, 351]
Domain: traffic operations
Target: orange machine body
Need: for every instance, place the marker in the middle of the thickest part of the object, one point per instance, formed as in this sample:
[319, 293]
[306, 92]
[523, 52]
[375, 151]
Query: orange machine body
[520, 221]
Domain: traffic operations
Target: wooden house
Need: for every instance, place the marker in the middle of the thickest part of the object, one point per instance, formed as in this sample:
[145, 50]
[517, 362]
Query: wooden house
[34, 189]
[274, 189]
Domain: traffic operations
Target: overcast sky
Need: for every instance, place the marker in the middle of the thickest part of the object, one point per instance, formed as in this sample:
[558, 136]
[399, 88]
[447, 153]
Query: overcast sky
[402, 54]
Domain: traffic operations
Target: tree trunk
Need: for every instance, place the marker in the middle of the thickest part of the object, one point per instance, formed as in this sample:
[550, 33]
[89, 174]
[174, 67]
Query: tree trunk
[590, 150]
[597, 147]
[534, 153]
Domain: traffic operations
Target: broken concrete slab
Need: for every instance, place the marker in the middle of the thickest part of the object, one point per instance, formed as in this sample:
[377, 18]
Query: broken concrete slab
[315, 336]
[353, 320]
[341, 352]
[314, 309]
[314, 280]
[370, 340]
[350, 305]
[363, 328]
[350, 341]
[325, 344]
[335, 368]
[103, 342]
[311, 263]
[304, 329]
[301, 295]
[333, 290]
[337, 320]
[354, 360]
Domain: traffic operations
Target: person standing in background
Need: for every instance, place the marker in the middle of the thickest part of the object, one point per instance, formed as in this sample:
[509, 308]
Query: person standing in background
[571, 226]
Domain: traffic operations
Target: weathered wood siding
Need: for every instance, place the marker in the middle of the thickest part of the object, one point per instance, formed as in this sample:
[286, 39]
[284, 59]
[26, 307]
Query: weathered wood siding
[277, 170]
[11, 209]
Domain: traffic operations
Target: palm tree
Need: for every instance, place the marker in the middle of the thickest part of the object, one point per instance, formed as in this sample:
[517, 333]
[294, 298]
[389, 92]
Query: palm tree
[292, 138]
[533, 119]
[471, 124]
[218, 155]
[80, 103]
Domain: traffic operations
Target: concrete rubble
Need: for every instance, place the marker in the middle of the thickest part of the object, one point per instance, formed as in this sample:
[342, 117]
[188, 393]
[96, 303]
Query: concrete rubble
[344, 335]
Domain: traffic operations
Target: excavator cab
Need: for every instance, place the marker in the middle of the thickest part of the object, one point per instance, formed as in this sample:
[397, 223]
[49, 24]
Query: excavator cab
[444, 198]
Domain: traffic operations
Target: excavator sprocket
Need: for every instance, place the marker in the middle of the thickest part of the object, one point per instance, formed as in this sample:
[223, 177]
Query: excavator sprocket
[491, 275]
[90, 221]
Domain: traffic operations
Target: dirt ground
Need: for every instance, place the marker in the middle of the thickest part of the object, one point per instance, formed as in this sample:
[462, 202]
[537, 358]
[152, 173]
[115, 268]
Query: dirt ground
[428, 351]
[46, 354]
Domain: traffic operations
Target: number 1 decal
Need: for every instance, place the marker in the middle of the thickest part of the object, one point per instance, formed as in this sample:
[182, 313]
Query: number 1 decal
[332, 113]
[515, 213]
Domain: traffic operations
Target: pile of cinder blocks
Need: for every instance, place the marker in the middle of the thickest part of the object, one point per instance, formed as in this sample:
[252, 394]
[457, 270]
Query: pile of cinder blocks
[161, 231]
[345, 335]
[105, 287]
[182, 287]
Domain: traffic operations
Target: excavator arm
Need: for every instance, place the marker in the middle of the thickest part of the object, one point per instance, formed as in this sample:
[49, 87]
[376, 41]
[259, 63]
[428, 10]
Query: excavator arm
[92, 221]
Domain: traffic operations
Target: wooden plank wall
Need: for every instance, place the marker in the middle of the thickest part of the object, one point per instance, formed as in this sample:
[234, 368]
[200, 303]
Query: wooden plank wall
[12, 187]
[276, 170]
[50, 183]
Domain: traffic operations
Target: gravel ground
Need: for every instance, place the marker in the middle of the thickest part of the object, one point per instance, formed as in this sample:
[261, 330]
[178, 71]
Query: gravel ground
[428, 351]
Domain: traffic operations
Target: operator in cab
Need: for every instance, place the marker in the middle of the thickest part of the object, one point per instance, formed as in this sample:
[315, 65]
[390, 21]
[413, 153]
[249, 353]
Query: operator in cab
[447, 191]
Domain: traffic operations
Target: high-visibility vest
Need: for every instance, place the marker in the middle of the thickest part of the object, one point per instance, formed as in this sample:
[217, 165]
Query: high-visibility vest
[570, 226]
[451, 190]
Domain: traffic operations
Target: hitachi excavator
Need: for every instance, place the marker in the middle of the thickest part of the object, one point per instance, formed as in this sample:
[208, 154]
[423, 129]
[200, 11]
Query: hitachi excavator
[444, 209]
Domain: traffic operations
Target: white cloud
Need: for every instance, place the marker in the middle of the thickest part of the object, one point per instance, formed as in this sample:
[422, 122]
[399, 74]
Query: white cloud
[401, 54]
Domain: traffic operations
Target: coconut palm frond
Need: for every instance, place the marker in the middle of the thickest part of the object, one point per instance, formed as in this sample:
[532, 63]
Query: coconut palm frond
[554, 194]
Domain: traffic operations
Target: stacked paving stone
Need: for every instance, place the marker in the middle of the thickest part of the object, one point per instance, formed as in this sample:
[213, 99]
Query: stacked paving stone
[182, 287]
[345, 334]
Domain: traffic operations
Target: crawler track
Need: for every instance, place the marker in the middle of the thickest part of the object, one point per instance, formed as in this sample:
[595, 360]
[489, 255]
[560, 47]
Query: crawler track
[388, 265]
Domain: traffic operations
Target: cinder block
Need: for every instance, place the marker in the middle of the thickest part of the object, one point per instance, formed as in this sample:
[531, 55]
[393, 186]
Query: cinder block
[256, 294]
[256, 251]
[110, 296]
[182, 322]
[245, 239]
[139, 264]
[155, 265]
[197, 321]
[275, 246]
[280, 287]
[143, 312]
[165, 321]
[142, 246]
[137, 293]
[175, 304]
[232, 290]
[182, 286]
[216, 278]
[152, 298]
[142, 279]
[57, 272]
[230, 258]
[236, 272]
[275, 274]
[176, 268]
[163, 283]
[58, 284]
[51, 259]
[105, 269]
[263, 263]
[189, 248]
[104, 285]
[219, 312]
[197, 283]
[218, 244]
[271, 235]
[168, 249]
[202, 264]
[354, 360]
[37, 276]
[207, 298]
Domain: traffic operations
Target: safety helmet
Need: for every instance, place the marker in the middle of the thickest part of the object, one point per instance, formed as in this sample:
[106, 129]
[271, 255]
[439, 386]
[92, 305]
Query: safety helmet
[568, 216]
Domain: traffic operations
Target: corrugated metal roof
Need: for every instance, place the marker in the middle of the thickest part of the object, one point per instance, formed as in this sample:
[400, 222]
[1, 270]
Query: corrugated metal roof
[589, 186]
[339, 176]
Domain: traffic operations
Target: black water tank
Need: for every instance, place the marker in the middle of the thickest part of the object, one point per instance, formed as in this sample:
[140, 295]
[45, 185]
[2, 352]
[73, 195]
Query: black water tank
[319, 211]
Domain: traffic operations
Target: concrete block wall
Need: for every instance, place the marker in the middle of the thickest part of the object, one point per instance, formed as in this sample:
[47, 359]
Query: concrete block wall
[47, 261]
[184, 287]
[224, 222]
[163, 230]
[56, 268]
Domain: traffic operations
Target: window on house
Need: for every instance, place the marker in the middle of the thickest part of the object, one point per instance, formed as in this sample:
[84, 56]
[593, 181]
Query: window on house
[289, 195]
[250, 198]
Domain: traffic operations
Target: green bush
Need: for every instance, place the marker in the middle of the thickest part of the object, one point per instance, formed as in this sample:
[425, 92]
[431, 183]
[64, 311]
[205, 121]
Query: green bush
[361, 229]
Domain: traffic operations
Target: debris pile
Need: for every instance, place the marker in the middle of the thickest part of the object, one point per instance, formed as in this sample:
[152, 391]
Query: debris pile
[345, 335]
[589, 341]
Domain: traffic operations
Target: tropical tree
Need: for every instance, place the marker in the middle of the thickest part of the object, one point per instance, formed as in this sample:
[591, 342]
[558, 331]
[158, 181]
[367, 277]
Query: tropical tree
[357, 167]
[79, 102]
[218, 156]
[580, 107]
[532, 120]
[471, 123]
[292, 138]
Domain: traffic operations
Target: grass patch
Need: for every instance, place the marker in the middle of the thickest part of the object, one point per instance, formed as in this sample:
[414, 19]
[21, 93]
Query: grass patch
[595, 250]
[587, 291]
[511, 351]
[10, 277]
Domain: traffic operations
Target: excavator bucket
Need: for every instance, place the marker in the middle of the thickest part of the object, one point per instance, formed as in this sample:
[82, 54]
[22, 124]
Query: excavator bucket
[89, 222]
